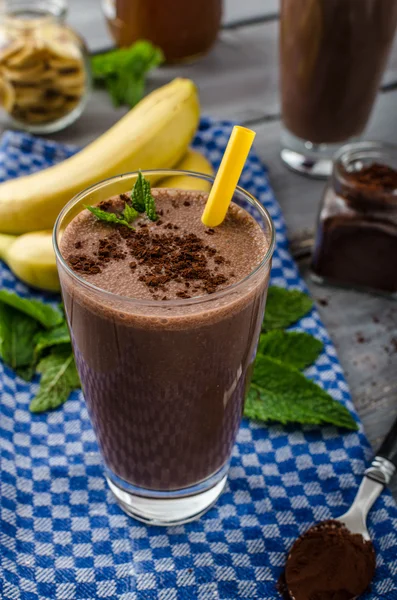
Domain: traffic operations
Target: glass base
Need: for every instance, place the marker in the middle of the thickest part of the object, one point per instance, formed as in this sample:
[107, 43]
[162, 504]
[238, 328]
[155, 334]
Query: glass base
[302, 156]
[168, 508]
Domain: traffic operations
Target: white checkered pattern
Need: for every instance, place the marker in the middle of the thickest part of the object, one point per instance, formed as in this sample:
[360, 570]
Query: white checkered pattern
[63, 536]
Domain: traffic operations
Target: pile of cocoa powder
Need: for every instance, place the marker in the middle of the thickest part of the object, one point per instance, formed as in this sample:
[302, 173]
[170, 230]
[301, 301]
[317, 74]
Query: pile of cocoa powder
[376, 177]
[328, 562]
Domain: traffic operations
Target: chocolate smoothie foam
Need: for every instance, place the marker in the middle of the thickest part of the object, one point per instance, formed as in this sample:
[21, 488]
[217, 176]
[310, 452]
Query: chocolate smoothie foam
[164, 351]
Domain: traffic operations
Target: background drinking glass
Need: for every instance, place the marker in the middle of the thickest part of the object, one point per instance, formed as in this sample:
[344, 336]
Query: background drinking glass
[333, 54]
[164, 381]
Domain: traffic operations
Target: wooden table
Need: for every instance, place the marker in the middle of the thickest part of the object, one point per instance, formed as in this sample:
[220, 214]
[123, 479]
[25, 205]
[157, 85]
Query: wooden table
[239, 80]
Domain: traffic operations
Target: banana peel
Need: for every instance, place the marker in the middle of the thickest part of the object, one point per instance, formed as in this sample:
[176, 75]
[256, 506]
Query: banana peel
[154, 134]
[31, 258]
[192, 161]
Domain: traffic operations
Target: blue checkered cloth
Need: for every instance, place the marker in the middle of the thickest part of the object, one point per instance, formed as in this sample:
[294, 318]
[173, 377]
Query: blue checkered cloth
[64, 537]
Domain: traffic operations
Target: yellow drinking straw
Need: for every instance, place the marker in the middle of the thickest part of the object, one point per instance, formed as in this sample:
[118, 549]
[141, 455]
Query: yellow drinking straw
[228, 174]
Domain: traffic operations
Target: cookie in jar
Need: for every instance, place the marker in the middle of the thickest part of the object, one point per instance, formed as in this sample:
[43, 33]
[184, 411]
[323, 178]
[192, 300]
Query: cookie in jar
[44, 73]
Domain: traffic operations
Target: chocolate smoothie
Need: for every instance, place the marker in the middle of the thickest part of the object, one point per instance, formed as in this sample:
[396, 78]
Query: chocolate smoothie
[333, 53]
[164, 351]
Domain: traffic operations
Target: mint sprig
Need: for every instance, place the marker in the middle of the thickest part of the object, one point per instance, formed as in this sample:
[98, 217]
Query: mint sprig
[285, 307]
[109, 217]
[142, 199]
[281, 393]
[123, 72]
[294, 348]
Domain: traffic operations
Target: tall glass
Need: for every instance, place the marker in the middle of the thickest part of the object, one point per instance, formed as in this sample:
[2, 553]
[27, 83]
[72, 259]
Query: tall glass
[164, 381]
[332, 57]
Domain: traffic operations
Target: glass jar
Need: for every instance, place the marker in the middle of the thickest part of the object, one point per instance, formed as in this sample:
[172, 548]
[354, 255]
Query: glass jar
[356, 241]
[182, 29]
[332, 57]
[44, 72]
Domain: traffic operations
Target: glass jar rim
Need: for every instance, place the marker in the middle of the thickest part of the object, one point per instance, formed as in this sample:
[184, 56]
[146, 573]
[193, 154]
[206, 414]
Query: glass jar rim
[13, 10]
[265, 216]
[356, 150]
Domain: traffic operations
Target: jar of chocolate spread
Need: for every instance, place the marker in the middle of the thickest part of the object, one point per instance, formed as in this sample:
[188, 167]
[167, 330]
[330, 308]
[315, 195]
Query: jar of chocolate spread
[183, 29]
[356, 242]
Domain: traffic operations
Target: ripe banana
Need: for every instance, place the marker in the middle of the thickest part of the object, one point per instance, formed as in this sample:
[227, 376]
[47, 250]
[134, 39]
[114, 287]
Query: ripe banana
[154, 134]
[192, 161]
[31, 257]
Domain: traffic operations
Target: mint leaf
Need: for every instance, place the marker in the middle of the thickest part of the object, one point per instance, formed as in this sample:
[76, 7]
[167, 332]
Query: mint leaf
[43, 313]
[26, 373]
[285, 307]
[47, 339]
[122, 72]
[139, 192]
[129, 213]
[108, 217]
[59, 377]
[293, 348]
[281, 393]
[150, 205]
[17, 331]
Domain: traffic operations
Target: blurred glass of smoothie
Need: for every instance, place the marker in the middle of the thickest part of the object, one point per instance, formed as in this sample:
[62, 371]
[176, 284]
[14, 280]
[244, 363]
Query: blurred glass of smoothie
[332, 57]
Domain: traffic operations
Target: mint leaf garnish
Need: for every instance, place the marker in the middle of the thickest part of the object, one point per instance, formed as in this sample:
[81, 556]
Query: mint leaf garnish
[59, 377]
[108, 217]
[293, 348]
[43, 313]
[150, 206]
[122, 72]
[281, 393]
[139, 192]
[285, 307]
[129, 213]
[142, 199]
[53, 337]
[17, 331]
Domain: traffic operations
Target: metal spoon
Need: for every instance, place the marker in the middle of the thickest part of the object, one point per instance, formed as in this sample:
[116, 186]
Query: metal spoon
[376, 477]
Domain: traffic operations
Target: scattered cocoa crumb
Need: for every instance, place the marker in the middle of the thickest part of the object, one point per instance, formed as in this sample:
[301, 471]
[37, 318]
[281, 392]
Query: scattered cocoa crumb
[164, 298]
[83, 264]
[232, 274]
[125, 197]
[106, 205]
[78, 245]
[183, 294]
[133, 265]
[210, 231]
[322, 301]
[186, 203]
[108, 249]
[174, 203]
[176, 227]
[159, 222]
[166, 257]
[219, 260]
[160, 212]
